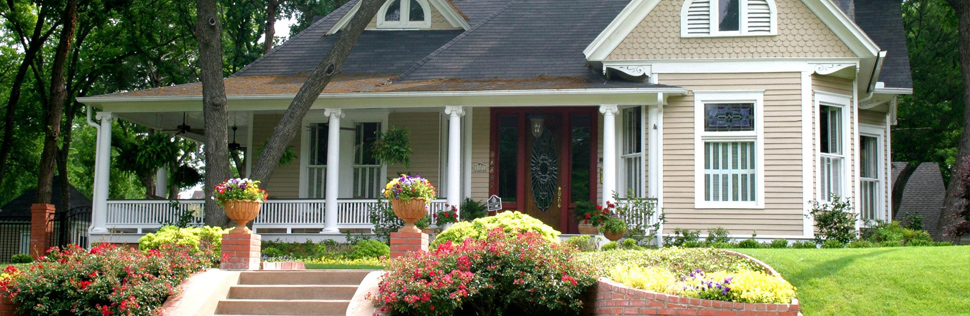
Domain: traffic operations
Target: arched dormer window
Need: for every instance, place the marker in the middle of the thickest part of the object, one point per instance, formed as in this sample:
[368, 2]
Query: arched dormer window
[704, 18]
[404, 14]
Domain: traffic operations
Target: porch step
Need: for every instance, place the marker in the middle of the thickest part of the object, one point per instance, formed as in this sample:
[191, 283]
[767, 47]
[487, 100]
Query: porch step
[292, 293]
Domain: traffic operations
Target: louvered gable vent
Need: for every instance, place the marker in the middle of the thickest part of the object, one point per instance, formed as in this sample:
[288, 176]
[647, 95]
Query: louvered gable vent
[697, 16]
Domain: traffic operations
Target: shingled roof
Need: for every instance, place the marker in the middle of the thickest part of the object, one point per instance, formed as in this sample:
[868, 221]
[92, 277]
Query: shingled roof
[20, 206]
[883, 23]
[924, 195]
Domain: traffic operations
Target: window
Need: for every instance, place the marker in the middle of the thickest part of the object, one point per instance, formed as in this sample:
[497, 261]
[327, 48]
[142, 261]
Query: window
[701, 18]
[400, 14]
[317, 162]
[367, 171]
[831, 157]
[508, 158]
[632, 155]
[728, 150]
[869, 201]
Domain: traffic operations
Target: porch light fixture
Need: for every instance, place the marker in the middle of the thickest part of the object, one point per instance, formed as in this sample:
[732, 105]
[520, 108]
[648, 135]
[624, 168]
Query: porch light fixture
[537, 124]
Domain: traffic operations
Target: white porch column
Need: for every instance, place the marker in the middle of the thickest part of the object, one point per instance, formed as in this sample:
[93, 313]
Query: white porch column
[609, 151]
[454, 155]
[333, 167]
[161, 182]
[102, 167]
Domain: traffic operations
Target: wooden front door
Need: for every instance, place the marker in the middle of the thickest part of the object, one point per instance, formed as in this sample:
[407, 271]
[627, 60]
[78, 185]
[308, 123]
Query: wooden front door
[542, 172]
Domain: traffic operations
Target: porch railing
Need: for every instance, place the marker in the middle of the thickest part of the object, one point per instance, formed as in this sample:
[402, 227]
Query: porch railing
[141, 216]
[641, 218]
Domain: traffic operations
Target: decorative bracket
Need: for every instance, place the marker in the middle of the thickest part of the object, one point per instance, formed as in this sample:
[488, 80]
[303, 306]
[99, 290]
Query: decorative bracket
[633, 71]
[828, 69]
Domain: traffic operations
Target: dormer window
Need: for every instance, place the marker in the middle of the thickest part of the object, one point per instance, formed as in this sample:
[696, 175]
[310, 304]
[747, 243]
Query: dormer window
[706, 18]
[404, 14]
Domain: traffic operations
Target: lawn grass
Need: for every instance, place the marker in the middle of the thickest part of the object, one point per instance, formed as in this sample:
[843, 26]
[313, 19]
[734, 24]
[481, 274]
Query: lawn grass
[875, 281]
[320, 266]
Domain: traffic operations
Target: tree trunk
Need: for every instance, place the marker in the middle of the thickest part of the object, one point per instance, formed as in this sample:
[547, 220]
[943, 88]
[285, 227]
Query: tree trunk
[208, 32]
[272, 10]
[36, 42]
[954, 200]
[55, 106]
[328, 68]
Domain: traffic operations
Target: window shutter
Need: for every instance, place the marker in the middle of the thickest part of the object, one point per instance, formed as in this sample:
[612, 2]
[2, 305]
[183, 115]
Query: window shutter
[759, 16]
[699, 17]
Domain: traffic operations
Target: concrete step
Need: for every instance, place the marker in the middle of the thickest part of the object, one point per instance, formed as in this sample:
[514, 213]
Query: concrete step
[315, 277]
[293, 292]
[282, 307]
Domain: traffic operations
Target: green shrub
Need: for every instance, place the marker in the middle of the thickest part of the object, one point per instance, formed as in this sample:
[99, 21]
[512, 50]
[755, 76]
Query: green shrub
[681, 236]
[107, 280]
[804, 245]
[511, 222]
[613, 225]
[833, 243]
[694, 244]
[750, 242]
[943, 243]
[582, 243]
[779, 243]
[630, 244]
[835, 221]
[21, 258]
[724, 245]
[893, 234]
[860, 244]
[718, 235]
[198, 238]
[913, 221]
[369, 248]
[524, 274]
[610, 246]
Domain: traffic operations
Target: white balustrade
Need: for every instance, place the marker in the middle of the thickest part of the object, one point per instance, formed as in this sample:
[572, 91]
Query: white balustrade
[141, 216]
[639, 217]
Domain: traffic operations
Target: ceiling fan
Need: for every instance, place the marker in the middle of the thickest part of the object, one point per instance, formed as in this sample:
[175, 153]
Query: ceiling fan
[185, 128]
[234, 145]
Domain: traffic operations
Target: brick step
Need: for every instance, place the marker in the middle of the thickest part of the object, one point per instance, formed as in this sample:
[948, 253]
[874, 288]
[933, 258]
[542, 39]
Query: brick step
[307, 277]
[293, 292]
[282, 307]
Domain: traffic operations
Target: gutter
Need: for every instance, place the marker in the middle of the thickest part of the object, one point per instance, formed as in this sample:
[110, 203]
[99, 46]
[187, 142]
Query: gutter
[90, 121]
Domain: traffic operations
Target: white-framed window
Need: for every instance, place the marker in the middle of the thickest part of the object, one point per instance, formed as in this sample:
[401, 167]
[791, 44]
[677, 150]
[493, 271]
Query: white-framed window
[317, 160]
[703, 18]
[832, 138]
[729, 147]
[404, 14]
[631, 156]
[870, 174]
[368, 174]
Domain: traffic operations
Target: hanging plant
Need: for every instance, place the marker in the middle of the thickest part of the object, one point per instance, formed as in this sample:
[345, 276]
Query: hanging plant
[393, 147]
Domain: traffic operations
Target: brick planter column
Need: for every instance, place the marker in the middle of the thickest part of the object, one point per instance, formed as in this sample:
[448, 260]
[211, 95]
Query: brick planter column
[241, 251]
[402, 243]
[40, 229]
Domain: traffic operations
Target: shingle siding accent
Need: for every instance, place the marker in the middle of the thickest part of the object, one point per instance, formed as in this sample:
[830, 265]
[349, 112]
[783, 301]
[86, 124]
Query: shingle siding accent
[800, 34]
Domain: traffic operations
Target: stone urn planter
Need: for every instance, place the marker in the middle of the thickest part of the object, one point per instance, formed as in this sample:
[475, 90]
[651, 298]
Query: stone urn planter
[587, 229]
[612, 236]
[242, 212]
[410, 212]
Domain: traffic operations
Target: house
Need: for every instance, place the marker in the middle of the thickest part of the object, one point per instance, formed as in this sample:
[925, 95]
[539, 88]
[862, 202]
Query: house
[731, 113]
[70, 226]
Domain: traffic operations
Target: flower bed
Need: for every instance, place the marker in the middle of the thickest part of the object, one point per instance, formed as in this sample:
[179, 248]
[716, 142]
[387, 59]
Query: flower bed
[107, 280]
[504, 274]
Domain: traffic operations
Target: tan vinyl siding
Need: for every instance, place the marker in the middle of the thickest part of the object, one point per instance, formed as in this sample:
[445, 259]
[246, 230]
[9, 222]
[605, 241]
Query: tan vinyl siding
[425, 144]
[844, 87]
[782, 213]
[481, 128]
[800, 34]
[285, 182]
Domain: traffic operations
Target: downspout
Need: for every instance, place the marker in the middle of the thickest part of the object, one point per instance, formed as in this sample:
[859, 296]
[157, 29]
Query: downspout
[90, 121]
[876, 70]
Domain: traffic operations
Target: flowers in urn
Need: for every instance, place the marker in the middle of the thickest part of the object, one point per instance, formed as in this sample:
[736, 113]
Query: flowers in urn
[586, 213]
[410, 197]
[236, 189]
[241, 198]
[614, 226]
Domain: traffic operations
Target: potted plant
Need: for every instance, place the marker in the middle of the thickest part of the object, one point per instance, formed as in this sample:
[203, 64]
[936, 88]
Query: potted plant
[444, 219]
[614, 226]
[589, 217]
[241, 199]
[409, 198]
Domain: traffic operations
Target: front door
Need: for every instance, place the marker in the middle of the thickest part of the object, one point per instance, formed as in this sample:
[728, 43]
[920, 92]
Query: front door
[542, 161]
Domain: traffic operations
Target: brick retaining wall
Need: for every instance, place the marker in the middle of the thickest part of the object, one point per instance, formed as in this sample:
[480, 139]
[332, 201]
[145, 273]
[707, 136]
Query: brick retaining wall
[612, 298]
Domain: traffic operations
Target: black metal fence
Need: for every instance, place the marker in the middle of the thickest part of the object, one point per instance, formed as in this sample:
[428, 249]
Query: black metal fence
[70, 227]
[14, 236]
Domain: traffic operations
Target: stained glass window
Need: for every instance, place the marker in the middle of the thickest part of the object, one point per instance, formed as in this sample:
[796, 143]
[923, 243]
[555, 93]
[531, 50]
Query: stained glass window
[729, 117]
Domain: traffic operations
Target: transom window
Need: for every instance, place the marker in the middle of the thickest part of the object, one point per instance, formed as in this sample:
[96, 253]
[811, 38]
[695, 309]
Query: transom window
[397, 14]
[728, 146]
[728, 18]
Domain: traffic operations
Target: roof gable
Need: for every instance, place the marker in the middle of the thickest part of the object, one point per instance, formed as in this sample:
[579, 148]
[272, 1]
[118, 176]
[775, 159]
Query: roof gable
[634, 15]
